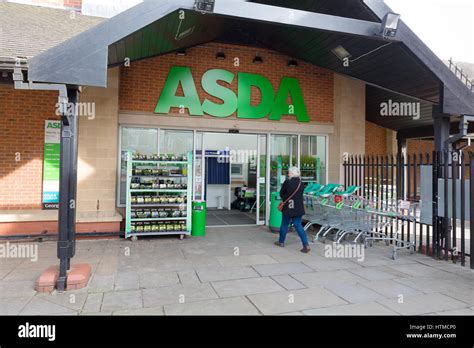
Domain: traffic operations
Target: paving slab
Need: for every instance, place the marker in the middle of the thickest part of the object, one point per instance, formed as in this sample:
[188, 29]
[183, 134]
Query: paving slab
[242, 287]
[188, 277]
[367, 308]
[101, 283]
[288, 282]
[227, 306]
[93, 302]
[39, 306]
[420, 270]
[297, 300]
[71, 299]
[328, 264]
[390, 288]
[121, 300]
[158, 279]
[457, 287]
[126, 281]
[177, 294]
[294, 256]
[373, 273]
[423, 304]
[107, 314]
[354, 293]
[327, 278]
[291, 314]
[282, 268]
[13, 306]
[245, 260]
[157, 311]
[463, 311]
[18, 288]
[217, 273]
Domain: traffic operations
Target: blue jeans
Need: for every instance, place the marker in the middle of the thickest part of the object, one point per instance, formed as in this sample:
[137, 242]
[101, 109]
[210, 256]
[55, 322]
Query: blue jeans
[285, 223]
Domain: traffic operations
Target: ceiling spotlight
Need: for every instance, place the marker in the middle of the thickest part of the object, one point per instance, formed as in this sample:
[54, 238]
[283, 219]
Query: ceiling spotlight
[341, 53]
[181, 53]
[220, 55]
[389, 26]
[292, 63]
[258, 59]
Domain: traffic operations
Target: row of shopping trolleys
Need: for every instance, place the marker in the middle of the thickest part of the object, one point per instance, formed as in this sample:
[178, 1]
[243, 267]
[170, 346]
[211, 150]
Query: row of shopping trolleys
[346, 217]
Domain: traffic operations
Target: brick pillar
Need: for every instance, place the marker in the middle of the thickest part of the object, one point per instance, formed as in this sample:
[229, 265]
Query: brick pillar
[75, 4]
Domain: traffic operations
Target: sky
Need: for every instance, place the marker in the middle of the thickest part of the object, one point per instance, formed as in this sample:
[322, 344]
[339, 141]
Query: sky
[446, 26]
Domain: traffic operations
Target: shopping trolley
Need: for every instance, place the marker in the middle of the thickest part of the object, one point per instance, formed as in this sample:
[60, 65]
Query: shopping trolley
[362, 219]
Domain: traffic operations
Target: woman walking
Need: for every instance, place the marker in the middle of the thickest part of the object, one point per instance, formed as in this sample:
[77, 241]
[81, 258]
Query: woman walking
[292, 208]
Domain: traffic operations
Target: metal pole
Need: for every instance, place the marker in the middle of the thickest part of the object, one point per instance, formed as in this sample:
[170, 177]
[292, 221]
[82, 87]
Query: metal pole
[435, 205]
[463, 206]
[67, 190]
[74, 98]
[471, 189]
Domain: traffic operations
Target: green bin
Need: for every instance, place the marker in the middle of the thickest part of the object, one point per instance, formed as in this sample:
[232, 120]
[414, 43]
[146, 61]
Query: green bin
[275, 215]
[198, 219]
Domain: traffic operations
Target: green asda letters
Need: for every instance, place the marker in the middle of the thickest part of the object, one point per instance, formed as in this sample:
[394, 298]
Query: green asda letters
[217, 82]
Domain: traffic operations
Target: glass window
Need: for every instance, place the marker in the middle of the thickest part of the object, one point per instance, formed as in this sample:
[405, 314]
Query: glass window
[313, 158]
[175, 142]
[142, 140]
[284, 149]
[198, 168]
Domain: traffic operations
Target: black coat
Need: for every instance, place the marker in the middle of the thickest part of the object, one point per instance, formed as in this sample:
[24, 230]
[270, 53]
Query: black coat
[295, 206]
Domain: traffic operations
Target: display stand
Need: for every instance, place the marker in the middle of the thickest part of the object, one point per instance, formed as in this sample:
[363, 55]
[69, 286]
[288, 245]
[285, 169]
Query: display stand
[159, 194]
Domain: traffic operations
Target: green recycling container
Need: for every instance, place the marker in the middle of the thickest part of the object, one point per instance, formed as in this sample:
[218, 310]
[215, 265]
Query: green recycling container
[275, 215]
[198, 223]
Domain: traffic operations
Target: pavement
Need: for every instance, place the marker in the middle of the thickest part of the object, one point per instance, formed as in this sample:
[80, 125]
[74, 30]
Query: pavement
[238, 271]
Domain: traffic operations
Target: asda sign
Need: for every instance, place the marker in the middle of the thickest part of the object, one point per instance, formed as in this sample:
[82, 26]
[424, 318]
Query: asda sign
[217, 83]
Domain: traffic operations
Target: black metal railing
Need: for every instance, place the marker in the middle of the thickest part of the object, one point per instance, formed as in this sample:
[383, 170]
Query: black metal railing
[439, 230]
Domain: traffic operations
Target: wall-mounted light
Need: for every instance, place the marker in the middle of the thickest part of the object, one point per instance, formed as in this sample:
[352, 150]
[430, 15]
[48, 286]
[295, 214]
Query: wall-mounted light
[341, 53]
[205, 6]
[181, 53]
[389, 26]
[292, 63]
[258, 59]
[220, 55]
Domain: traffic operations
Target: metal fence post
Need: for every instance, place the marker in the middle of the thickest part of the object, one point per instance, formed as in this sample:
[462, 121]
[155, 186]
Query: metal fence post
[471, 217]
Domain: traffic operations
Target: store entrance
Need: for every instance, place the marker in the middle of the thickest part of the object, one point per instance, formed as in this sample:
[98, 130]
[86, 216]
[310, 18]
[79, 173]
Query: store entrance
[230, 177]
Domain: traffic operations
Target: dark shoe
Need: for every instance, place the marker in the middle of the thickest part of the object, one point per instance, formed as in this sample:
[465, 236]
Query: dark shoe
[281, 245]
[306, 250]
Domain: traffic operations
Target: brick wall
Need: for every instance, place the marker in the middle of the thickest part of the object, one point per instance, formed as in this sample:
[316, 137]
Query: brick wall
[375, 139]
[22, 119]
[141, 83]
[417, 146]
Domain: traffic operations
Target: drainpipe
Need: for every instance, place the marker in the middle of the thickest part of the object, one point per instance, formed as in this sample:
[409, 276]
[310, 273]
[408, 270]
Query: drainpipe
[68, 169]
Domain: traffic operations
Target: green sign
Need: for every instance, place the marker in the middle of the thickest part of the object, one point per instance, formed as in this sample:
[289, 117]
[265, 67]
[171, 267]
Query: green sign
[216, 83]
[51, 164]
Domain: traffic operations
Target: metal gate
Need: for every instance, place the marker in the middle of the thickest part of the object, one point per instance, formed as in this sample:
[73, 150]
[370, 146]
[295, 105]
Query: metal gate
[438, 187]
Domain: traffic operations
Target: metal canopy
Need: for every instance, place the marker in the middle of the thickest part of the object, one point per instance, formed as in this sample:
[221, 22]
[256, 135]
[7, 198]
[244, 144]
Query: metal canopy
[155, 28]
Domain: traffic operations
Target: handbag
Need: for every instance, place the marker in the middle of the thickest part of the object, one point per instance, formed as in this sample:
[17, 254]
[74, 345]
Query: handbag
[282, 204]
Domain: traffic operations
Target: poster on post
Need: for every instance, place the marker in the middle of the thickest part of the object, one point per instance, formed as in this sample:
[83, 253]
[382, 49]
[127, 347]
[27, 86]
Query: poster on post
[51, 164]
